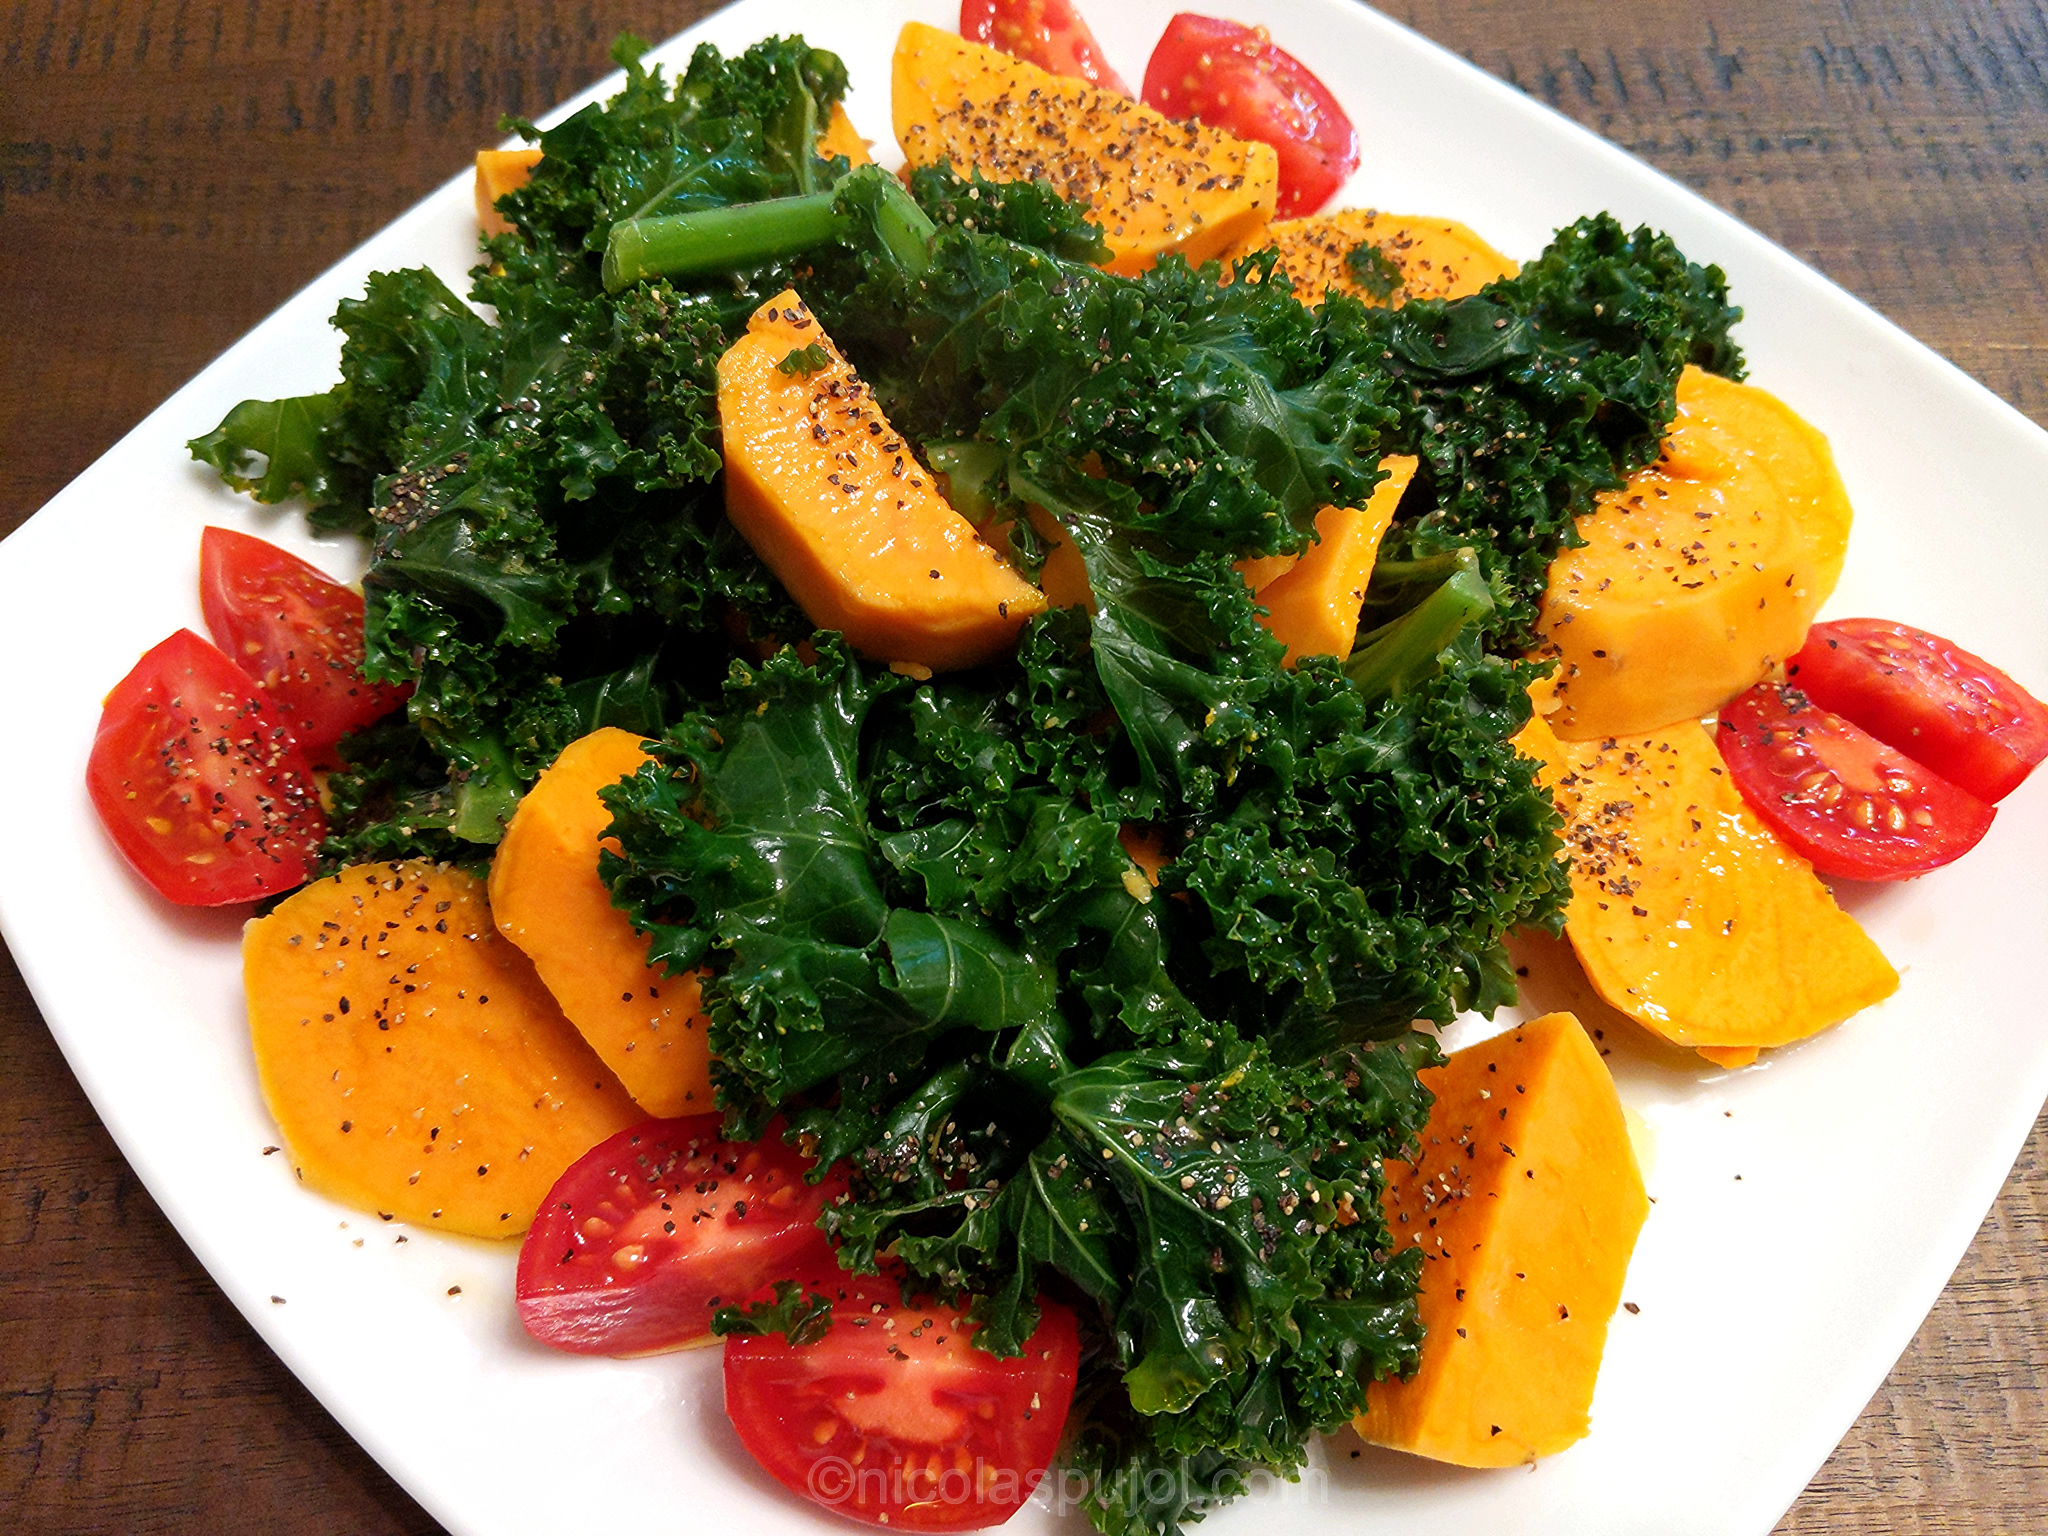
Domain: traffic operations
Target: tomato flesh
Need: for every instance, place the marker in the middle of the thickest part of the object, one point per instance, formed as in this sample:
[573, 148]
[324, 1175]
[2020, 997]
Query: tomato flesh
[1049, 33]
[298, 633]
[1926, 697]
[651, 1229]
[895, 1418]
[199, 785]
[1851, 805]
[1234, 77]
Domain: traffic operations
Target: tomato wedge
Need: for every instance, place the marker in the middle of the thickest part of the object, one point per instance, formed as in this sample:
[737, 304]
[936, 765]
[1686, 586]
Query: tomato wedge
[1926, 697]
[895, 1418]
[648, 1231]
[1849, 804]
[1235, 78]
[199, 785]
[298, 633]
[1048, 33]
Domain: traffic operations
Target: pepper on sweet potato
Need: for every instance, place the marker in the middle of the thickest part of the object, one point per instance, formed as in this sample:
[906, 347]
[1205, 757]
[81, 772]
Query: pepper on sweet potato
[838, 506]
[1154, 185]
[1702, 572]
[1410, 256]
[1525, 1201]
[414, 1063]
[1686, 912]
[546, 898]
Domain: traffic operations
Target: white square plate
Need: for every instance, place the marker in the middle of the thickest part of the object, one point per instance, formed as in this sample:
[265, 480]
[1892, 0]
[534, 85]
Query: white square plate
[1809, 1210]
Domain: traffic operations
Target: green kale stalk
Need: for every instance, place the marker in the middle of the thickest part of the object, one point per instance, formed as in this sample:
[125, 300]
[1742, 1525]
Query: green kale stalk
[928, 947]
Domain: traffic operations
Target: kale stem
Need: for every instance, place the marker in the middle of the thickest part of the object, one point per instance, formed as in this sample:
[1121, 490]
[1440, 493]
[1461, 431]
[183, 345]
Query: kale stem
[717, 239]
[904, 229]
[1397, 656]
[726, 239]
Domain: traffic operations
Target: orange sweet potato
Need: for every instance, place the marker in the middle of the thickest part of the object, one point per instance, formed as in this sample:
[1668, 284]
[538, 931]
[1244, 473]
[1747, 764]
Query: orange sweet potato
[1687, 913]
[499, 171]
[546, 898]
[414, 1063]
[1526, 1201]
[837, 505]
[1155, 185]
[842, 138]
[1313, 606]
[1703, 572]
[1434, 258]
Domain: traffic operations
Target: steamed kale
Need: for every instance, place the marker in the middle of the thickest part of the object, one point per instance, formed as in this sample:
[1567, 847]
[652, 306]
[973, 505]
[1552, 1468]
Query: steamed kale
[1099, 966]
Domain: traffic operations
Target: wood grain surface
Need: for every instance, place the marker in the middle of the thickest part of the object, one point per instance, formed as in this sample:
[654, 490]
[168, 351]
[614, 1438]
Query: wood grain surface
[170, 172]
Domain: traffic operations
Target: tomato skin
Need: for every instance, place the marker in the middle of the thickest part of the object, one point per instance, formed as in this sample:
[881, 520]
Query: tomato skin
[1926, 697]
[1235, 78]
[1843, 800]
[199, 785]
[1049, 33]
[894, 1418]
[298, 633]
[601, 1274]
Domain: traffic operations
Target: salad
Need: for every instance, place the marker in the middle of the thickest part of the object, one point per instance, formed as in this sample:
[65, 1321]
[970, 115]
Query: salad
[1327, 851]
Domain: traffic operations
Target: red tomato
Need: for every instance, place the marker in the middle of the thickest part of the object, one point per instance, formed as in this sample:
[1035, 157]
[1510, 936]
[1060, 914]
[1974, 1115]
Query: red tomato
[895, 1418]
[650, 1230]
[1233, 77]
[297, 633]
[201, 788]
[1048, 33]
[1848, 803]
[1928, 698]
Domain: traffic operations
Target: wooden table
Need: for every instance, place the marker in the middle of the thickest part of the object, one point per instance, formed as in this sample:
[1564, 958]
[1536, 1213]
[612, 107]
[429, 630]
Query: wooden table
[169, 173]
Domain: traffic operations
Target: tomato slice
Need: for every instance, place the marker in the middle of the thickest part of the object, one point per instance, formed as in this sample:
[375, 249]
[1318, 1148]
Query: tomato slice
[199, 785]
[1926, 697]
[1235, 78]
[895, 1418]
[648, 1231]
[298, 633]
[1048, 33]
[1845, 801]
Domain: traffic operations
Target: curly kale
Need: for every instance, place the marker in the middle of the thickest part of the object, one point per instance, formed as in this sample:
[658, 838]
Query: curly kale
[549, 550]
[1526, 399]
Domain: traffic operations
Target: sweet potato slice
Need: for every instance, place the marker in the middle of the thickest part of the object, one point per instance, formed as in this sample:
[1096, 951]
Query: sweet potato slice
[838, 507]
[546, 898]
[1421, 258]
[1687, 913]
[1526, 1201]
[842, 138]
[1313, 606]
[499, 171]
[413, 1061]
[1155, 185]
[1702, 572]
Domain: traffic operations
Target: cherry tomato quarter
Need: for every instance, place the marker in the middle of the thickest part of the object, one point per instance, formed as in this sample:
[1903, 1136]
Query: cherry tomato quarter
[1049, 33]
[895, 1418]
[1928, 698]
[1849, 804]
[297, 632]
[199, 784]
[1236, 78]
[648, 1231]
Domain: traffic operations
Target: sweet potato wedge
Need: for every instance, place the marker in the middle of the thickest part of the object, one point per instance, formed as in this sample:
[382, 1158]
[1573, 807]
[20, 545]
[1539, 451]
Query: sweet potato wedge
[414, 1063]
[1526, 1201]
[546, 898]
